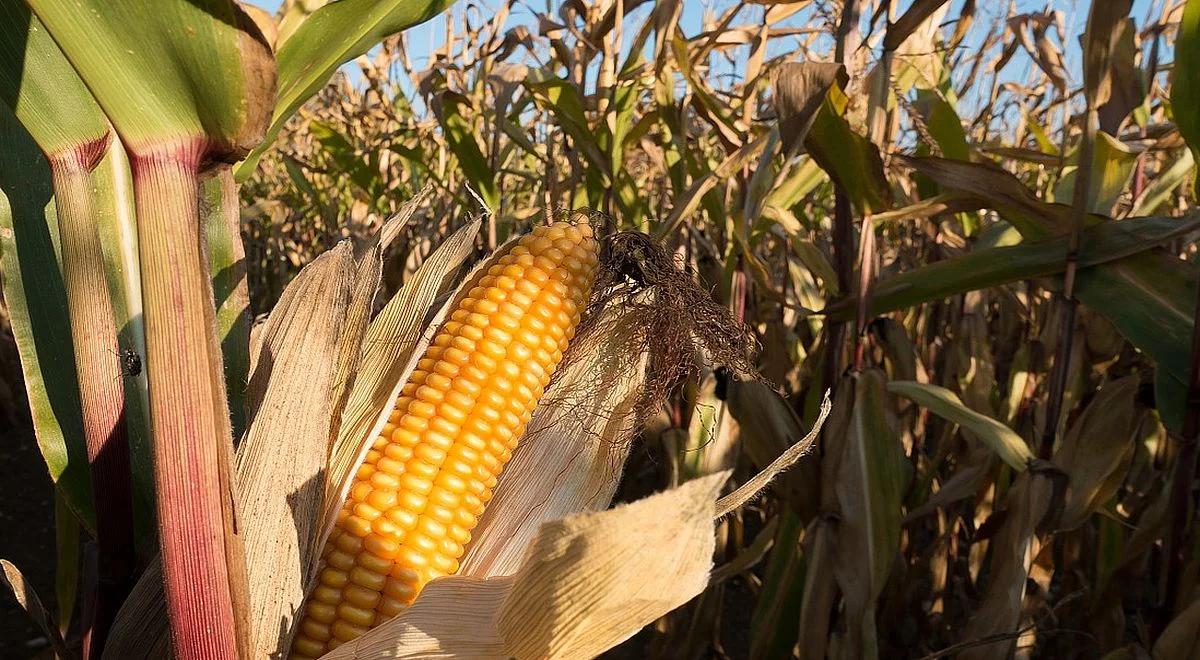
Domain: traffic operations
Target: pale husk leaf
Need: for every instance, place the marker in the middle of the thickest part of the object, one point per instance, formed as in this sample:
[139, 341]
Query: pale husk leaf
[587, 583]
[572, 453]
[281, 462]
[394, 340]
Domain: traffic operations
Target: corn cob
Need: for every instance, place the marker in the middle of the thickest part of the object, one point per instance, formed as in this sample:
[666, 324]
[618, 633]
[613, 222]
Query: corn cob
[429, 474]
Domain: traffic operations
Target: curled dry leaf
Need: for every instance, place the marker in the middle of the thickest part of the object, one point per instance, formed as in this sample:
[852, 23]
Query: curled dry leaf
[767, 427]
[573, 451]
[28, 599]
[799, 91]
[787, 459]
[912, 19]
[586, 584]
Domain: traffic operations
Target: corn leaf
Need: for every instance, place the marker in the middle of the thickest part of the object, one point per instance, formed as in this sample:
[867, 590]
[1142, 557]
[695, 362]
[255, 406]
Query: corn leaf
[40, 86]
[168, 70]
[997, 266]
[1013, 550]
[1165, 184]
[1149, 296]
[221, 220]
[850, 159]
[942, 402]
[40, 326]
[869, 472]
[799, 91]
[67, 561]
[28, 599]
[1185, 85]
[326, 39]
[767, 427]
[774, 627]
[1112, 168]
[1100, 442]
[1180, 641]
[460, 134]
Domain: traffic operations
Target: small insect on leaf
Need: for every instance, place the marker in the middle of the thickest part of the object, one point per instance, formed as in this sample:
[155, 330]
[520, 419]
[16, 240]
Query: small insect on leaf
[131, 362]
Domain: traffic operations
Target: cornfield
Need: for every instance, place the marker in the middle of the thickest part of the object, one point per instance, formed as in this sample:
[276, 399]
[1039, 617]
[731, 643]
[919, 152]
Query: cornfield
[600, 328]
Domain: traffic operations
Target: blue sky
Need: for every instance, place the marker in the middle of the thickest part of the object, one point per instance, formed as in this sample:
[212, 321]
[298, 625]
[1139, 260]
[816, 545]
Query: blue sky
[431, 34]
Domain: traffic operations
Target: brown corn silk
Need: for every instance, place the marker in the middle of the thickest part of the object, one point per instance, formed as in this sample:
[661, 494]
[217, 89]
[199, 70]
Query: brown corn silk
[429, 474]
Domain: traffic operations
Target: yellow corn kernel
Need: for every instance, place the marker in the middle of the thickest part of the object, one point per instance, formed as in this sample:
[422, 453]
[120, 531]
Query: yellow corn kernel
[431, 471]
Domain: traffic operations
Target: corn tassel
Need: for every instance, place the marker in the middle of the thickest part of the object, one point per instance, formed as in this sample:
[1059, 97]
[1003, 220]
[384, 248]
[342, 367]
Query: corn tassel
[430, 473]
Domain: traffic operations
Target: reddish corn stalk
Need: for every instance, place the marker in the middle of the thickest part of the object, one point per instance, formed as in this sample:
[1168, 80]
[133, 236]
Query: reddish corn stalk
[101, 388]
[202, 563]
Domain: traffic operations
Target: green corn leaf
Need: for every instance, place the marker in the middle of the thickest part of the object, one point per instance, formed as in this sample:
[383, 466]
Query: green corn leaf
[346, 157]
[1185, 83]
[774, 627]
[40, 86]
[328, 38]
[1112, 168]
[460, 134]
[850, 159]
[168, 70]
[997, 266]
[40, 326]
[1150, 296]
[1164, 184]
[869, 472]
[43, 90]
[942, 402]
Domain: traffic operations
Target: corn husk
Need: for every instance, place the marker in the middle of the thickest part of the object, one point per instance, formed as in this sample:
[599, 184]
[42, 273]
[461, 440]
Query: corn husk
[586, 584]
[574, 448]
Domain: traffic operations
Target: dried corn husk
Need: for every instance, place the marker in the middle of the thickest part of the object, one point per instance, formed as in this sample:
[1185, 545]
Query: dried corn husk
[587, 583]
[571, 456]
